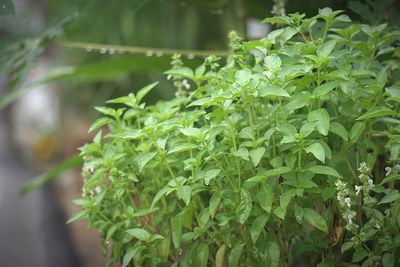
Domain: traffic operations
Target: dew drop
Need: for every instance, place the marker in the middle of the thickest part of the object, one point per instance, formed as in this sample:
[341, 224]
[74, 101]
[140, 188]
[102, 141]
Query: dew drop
[111, 51]
[88, 49]
[4, 6]
[159, 54]
[103, 50]
[149, 53]
[190, 56]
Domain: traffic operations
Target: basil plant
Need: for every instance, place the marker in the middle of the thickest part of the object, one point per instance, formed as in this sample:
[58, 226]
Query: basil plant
[287, 154]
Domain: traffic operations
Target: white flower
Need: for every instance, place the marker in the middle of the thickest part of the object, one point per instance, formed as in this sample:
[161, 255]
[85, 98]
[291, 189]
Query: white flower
[397, 167]
[371, 182]
[347, 200]
[169, 77]
[350, 219]
[186, 84]
[378, 226]
[358, 189]
[388, 170]
[98, 189]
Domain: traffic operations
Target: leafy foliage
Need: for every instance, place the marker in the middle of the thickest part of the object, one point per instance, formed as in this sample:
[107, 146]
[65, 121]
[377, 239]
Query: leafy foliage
[287, 154]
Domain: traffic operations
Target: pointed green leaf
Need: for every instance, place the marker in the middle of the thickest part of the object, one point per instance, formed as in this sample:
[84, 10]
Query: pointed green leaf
[326, 49]
[234, 255]
[316, 220]
[257, 226]
[176, 228]
[273, 91]
[214, 202]
[324, 170]
[129, 255]
[321, 118]
[181, 148]
[325, 88]
[377, 112]
[143, 159]
[339, 130]
[140, 234]
[391, 197]
[99, 122]
[256, 155]
[274, 253]
[201, 256]
[185, 193]
[270, 173]
[210, 174]
[144, 91]
[245, 206]
[317, 150]
[266, 197]
[220, 256]
[356, 131]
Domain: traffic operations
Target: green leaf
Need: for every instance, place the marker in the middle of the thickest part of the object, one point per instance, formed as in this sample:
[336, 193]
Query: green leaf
[176, 228]
[266, 197]
[201, 102]
[201, 255]
[140, 234]
[257, 226]
[210, 174]
[215, 200]
[274, 253]
[346, 246]
[39, 181]
[270, 173]
[272, 62]
[245, 206]
[129, 255]
[182, 147]
[325, 88]
[144, 91]
[242, 153]
[316, 220]
[356, 131]
[326, 49]
[234, 255]
[81, 215]
[377, 112]
[159, 195]
[317, 150]
[339, 130]
[191, 132]
[390, 178]
[185, 193]
[273, 91]
[220, 256]
[324, 170]
[391, 197]
[359, 255]
[99, 122]
[181, 71]
[321, 118]
[143, 159]
[243, 76]
[256, 155]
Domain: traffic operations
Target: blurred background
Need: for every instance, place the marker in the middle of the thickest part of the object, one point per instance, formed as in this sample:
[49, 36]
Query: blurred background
[60, 58]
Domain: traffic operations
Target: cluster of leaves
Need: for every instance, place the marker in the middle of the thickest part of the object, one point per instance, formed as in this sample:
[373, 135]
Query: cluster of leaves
[260, 163]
